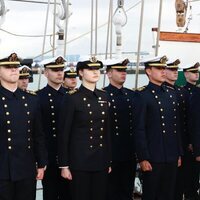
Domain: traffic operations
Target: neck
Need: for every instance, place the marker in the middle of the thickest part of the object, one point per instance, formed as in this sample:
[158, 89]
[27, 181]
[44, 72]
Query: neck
[191, 82]
[117, 85]
[156, 82]
[170, 82]
[55, 86]
[9, 86]
[89, 86]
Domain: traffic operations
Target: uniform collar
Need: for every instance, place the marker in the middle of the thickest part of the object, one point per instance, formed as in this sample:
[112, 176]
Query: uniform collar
[155, 87]
[8, 94]
[88, 92]
[54, 91]
[189, 85]
[115, 89]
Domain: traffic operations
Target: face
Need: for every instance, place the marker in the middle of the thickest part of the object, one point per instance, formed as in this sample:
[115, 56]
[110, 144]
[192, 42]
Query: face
[9, 75]
[192, 77]
[117, 77]
[90, 75]
[171, 74]
[156, 74]
[23, 83]
[54, 76]
[70, 82]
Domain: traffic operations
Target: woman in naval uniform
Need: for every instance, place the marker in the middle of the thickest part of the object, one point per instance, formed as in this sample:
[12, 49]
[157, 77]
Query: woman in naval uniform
[84, 141]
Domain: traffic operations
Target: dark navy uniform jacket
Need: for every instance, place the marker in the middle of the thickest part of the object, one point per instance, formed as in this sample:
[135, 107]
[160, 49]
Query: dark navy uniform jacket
[50, 100]
[156, 128]
[195, 120]
[21, 136]
[121, 123]
[183, 107]
[84, 138]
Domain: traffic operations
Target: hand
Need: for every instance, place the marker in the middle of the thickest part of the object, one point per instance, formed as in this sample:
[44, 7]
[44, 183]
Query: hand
[145, 166]
[190, 148]
[109, 170]
[198, 158]
[65, 173]
[40, 174]
[179, 161]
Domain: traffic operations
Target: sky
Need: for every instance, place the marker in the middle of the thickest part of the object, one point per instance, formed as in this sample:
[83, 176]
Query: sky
[29, 19]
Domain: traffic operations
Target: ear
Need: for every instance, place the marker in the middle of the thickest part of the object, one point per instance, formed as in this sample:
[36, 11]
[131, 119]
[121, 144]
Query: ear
[148, 71]
[109, 74]
[46, 73]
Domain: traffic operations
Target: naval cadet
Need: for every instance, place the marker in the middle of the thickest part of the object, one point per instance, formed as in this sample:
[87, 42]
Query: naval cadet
[121, 179]
[181, 93]
[156, 131]
[22, 148]
[54, 186]
[84, 139]
[191, 74]
[24, 75]
[70, 78]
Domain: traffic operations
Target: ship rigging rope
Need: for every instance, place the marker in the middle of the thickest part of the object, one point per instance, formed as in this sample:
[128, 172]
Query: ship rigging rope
[49, 35]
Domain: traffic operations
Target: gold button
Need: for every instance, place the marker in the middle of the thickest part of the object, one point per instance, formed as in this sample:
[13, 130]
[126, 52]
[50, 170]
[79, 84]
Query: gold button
[23, 97]
[9, 147]
[111, 94]
[113, 100]
[128, 99]
[29, 130]
[129, 106]
[115, 114]
[29, 147]
[54, 128]
[163, 131]
[173, 102]
[5, 106]
[174, 131]
[130, 113]
[29, 139]
[101, 129]
[91, 146]
[101, 136]
[162, 117]
[115, 120]
[153, 91]
[8, 122]
[159, 102]
[156, 96]
[9, 131]
[90, 112]
[9, 139]
[53, 121]
[88, 105]
[54, 135]
[91, 129]
[102, 120]
[52, 107]
[174, 109]
[26, 104]
[117, 134]
[3, 98]
[7, 113]
[161, 109]
[91, 137]
[84, 99]
[116, 127]
[114, 106]
[91, 121]
[49, 94]
[28, 113]
[101, 145]
[51, 100]
[101, 105]
[103, 113]
[163, 124]
[170, 96]
[29, 121]
[52, 113]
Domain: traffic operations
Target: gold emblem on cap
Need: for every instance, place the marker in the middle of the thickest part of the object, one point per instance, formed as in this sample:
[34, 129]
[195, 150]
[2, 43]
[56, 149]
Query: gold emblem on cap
[93, 59]
[163, 60]
[13, 57]
[59, 60]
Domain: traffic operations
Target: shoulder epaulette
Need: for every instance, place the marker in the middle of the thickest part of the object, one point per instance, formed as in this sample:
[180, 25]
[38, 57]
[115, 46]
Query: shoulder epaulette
[73, 91]
[141, 88]
[31, 92]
